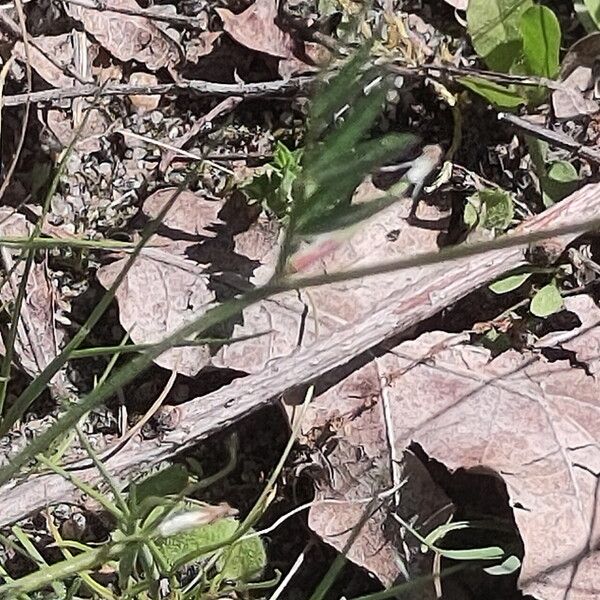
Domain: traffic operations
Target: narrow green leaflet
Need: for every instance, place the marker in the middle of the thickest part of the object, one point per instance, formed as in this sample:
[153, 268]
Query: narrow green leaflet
[341, 149]
[499, 95]
[169, 481]
[508, 566]
[546, 301]
[494, 29]
[510, 283]
[540, 31]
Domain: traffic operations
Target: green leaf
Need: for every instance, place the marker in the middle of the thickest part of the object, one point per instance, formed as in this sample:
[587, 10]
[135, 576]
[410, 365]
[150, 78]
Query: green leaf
[560, 180]
[346, 216]
[499, 95]
[494, 29]
[272, 185]
[490, 209]
[508, 566]
[541, 41]
[499, 210]
[331, 189]
[593, 9]
[246, 561]
[510, 283]
[248, 556]
[489, 553]
[546, 301]
[167, 482]
[472, 211]
[338, 92]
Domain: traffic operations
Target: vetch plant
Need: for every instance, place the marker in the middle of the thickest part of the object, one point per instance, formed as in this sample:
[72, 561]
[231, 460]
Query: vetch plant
[516, 37]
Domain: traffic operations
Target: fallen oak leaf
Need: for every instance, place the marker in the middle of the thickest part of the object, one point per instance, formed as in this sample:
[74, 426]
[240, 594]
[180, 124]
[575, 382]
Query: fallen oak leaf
[128, 37]
[38, 340]
[165, 289]
[60, 47]
[255, 28]
[300, 319]
[535, 424]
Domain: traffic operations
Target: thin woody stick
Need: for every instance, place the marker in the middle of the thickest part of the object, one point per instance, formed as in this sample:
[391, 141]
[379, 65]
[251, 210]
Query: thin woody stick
[553, 137]
[437, 286]
[197, 87]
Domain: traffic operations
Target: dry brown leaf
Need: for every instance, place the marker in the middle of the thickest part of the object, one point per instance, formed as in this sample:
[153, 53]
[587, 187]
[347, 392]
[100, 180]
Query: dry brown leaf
[60, 48]
[255, 28]
[202, 45]
[300, 318]
[128, 37]
[38, 340]
[144, 102]
[164, 289]
[583, 340]
[534, 423]
[574, 98]
[61, 125]
[583, 53]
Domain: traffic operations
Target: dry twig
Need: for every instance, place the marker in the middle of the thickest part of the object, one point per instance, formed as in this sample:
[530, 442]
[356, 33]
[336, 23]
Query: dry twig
[438, 286]
[198, 87]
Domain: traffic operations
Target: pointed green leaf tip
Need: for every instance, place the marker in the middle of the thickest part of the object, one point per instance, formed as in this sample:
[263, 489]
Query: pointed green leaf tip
[510, 283]
[541, 40]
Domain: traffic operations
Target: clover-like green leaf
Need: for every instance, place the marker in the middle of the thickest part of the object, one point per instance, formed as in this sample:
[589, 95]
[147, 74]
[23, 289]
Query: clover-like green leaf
[546, 301]
[510, 283]
[494, 29]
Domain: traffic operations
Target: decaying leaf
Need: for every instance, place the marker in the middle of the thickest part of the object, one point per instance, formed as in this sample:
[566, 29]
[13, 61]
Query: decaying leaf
[38, 340]
[255, 28]
[165, 289]
[534, 423]
[583, 53]
[574, 98]
[583, 340]
[61, 125]
[60, 48]
[201, 45]
[128, 37]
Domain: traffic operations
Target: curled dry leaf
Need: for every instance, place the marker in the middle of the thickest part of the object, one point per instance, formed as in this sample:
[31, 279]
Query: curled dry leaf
[583, 339]
[164, 289]
[300, 318]
[201, 45]
[255, 28]
[144, 102]
[583, 53]
[355, 476]
[60, 48]
[534, 423]
[38, 340]
[128, 37]
[574, 99]
[61, 125]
